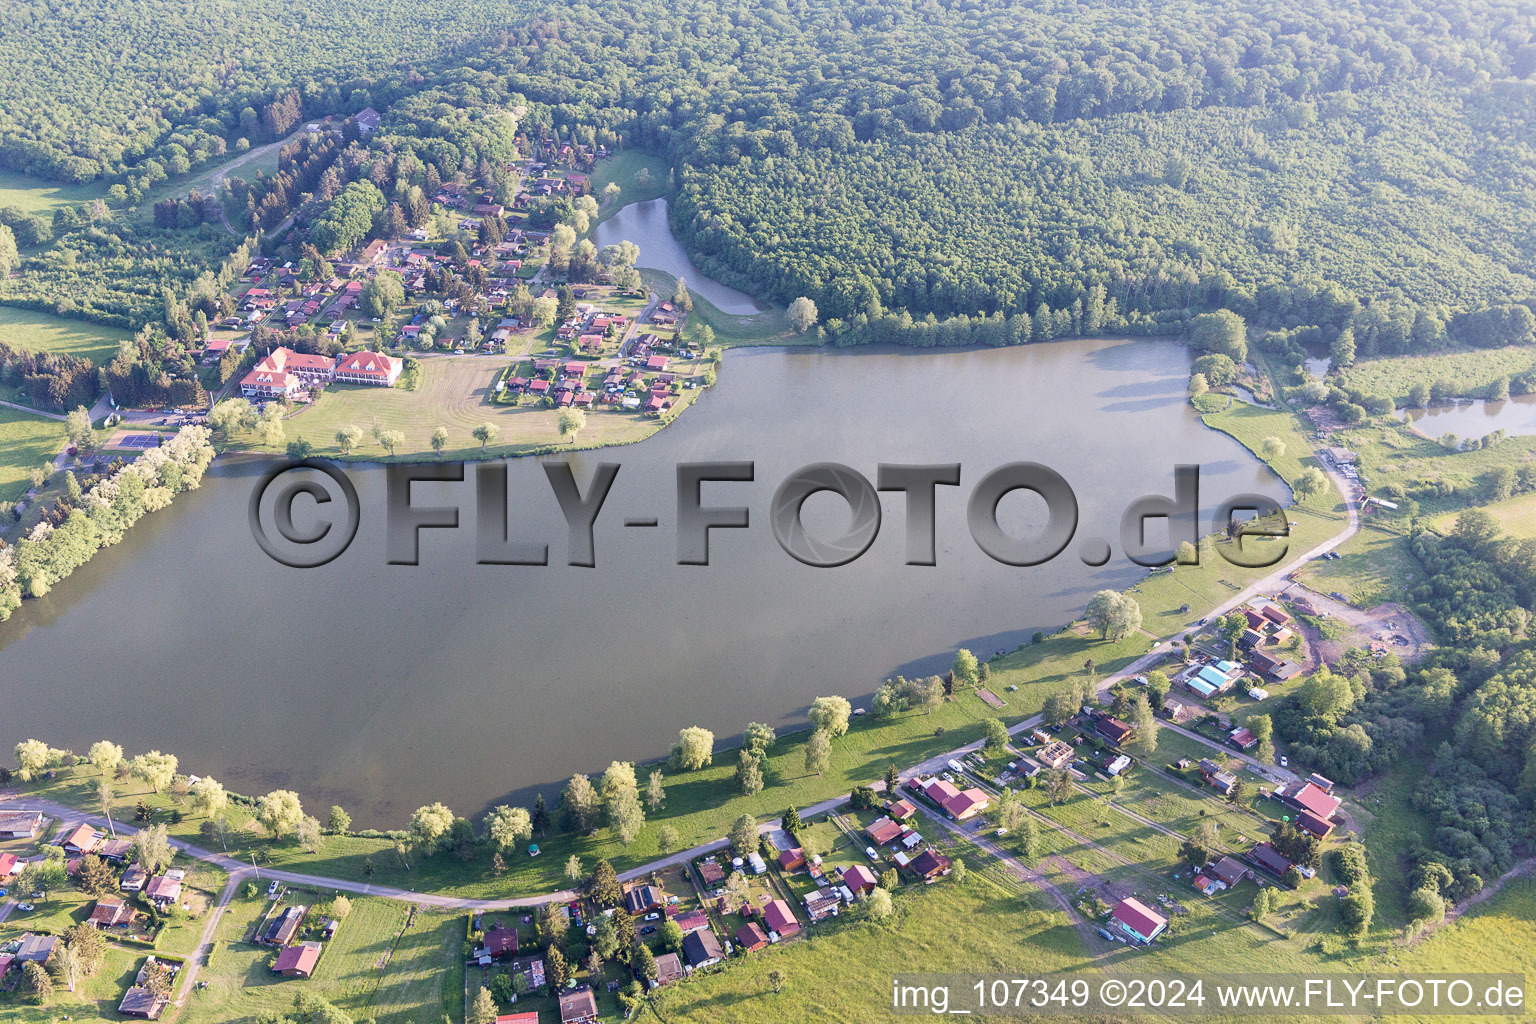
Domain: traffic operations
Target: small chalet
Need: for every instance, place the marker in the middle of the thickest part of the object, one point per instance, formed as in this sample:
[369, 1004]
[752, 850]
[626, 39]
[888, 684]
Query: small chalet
[1268, 858]
[669, 968]
[578, 1006]
[297, 961]
[500, 943]
[750, 937]
[282, 928]
[792, 859]
[778, 917]
[642, 899]
[1229, 871]
[930, 864]
[700, 949]
[900, 810]
[110, 912]
[1113, 730]
[81, 840]
[1139, 921]
[859, 879]
[882, 831]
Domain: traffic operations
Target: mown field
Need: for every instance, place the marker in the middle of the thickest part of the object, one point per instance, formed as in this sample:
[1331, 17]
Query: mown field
[38, 196]
[376, 967]
[26, 442]
[1468, 372]
[1516, 517]
[40, 332]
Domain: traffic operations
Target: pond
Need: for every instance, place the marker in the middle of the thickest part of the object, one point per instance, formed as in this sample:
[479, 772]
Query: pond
[384, 687]
[646, 225]
[1476, 417]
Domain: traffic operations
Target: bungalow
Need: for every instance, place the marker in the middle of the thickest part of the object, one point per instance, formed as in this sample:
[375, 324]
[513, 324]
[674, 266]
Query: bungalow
[900, 810]
[669, 968]
[20, 824]
[133, 879]
[526, 1017]
[284, 926]
[8, 865]
[36, 949]
[500, 943]
[822, 903]
[859, 879]
[642, 899]
[1229, 871]
[1138, 920]
[117, 850]
[1180, 711]
[1242, 738]
[931, 864]
[700, 949]
[578, 1006]
[1268, 858]
[964, 806]
[297, 961]
[692, 920]
[656, 364]
[1207, 886]
[1276, 668]
[882, 831]
[778, 917]
[1216, 777]
[750, 937]
[80, 840]
[1112, 729]
[1274, 613]
[1056, 754]
[710, 872]
[373, 253]
[937, 790]
[163, 890]
[1315, 805]
[110, 912]
[369, 368]
[143, 1002]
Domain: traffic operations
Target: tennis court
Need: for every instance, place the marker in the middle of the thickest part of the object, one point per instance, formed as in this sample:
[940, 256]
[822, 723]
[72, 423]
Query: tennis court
[136, 441]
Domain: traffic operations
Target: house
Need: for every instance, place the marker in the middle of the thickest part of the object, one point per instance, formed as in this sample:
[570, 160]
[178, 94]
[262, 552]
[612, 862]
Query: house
[110, 912]
[1230, 871]
[500, 943]
[369, 368]
[36, 949]
[1276, 668]
[700, 949]
[528, 1017]
[1268, 858]
[1274, 613]
[1242, 738]
[1118, 765]
[710, 872]
[145, 1003]
[900, 810]
[282, 928]
[8, 865]
[133, 879]
[163, 890]
[859, 879]
[1217, 777]
[750, 937]
[882, 831]
[937, 790]
[297, 961]
[966, 805]
[1180, 711]
[1315, 805]
[669, 968]
[792, 859]
[1112, 729]
[931, 864]
[642, 899]
[1207, 886]
[284, 373]
[1138, 920]
[778, 917]
[1321, 782]
[692, 920]
[20, 824]
[116, 850]
[80, 840]
[367, 120]
[822, 903]
[578, 1006]
[1055, 754]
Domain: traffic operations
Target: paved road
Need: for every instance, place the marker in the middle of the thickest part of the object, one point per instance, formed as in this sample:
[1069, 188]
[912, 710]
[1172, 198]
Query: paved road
[34, 412]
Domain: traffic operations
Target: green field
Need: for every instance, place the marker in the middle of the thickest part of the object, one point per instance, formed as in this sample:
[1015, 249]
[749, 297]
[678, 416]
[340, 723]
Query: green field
[1468, 372]
[37, 196]
[1516, 517]
[1373, 566]
[40, 332]
[372, 969]
[621, 168]
[26, 441]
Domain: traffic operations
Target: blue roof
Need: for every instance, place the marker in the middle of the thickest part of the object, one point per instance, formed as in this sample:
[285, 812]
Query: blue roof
[1202, 687]
[1227, 666]
[1212, 676]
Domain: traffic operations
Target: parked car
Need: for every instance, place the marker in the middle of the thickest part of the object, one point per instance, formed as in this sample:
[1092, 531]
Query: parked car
[25, 907]
[1285, 762]
[1106, 936]
[653, 917]
[648, 929]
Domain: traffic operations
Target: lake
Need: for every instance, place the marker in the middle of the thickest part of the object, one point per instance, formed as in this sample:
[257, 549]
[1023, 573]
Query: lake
[646, 225]
[385, 687]
[1476, 418]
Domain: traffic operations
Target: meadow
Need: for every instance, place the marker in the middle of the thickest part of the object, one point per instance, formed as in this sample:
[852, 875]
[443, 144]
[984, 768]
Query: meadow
[41, 332]
[1469, 372]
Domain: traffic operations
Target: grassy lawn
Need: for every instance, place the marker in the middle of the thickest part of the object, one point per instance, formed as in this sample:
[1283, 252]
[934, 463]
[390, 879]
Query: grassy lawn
[26, 442]
[95, 998]
[1516, 517]
[1468, 372]
[1390, 452]
[1373, 566]
[40, 332]
[622, 168]
[454, 393]
[375, 967]
[38, 196]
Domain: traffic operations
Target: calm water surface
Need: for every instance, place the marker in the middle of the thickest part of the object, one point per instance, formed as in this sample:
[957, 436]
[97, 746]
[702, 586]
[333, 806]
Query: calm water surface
[1477, 418]
[646, 225]
[384, 687]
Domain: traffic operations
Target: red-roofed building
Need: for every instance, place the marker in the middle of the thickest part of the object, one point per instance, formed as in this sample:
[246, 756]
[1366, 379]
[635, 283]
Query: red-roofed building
[656, 363]
[883, 831]
[792, 860]
[529, 1017]
[750, 937]
[939, 791]
[297, 961]
[369, 368]
[966, 805]
[8, 864]
[1315, 804]
[1138, 920]
[501, 943]
[284, 373]
[778, 916]
[692, 920]
[900, 810]
[859, 879]
[931, 864]
[81, 840]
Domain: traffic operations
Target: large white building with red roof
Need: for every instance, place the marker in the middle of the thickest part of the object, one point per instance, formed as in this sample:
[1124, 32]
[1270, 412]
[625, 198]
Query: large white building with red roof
[368, 368]
[1138, 920]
